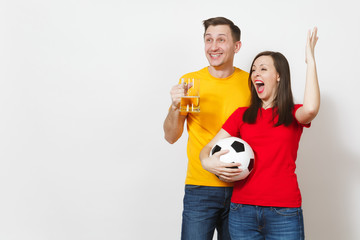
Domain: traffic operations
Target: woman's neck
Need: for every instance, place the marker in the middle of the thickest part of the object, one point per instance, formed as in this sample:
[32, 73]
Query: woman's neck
[266, 105]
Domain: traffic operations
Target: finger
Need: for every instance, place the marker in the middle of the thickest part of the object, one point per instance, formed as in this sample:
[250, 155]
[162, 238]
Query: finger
[315, 32]
[231, 167]
[187, 87]
[190, 85]
[230, 171]
[229, 179]
[176, 96]
[221, 152]
[234, 164]
[224, 178]
[314, 36]
[178, 90]
[234, 172]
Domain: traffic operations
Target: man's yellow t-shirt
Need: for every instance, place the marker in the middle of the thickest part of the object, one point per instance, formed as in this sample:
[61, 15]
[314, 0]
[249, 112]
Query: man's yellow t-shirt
[219, 98]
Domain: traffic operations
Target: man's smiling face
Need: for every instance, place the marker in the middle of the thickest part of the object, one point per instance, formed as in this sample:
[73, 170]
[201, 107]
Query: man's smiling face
[220, 47]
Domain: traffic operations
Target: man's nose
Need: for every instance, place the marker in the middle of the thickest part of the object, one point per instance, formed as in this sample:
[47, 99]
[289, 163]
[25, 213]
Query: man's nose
[214, 46]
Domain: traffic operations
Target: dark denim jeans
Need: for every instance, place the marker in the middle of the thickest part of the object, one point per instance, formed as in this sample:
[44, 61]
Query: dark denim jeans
[249, 222]
[205, 209]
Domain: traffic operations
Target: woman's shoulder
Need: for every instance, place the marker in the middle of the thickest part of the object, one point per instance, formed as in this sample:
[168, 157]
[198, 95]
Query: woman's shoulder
[241, 109]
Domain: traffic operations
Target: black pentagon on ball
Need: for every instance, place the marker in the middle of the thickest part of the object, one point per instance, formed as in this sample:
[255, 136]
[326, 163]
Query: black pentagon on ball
[217, 148]
[238, 146]
[251, 165]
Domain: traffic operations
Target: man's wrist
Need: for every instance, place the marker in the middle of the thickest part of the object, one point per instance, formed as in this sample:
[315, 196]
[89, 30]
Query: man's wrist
[174, 108]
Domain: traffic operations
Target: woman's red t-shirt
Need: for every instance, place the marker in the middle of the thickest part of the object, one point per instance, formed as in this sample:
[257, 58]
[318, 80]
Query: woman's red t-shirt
[273, 181]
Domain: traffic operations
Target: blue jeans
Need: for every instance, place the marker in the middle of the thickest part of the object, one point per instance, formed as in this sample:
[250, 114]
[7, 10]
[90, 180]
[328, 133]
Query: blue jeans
[249, 222]
[205, 209]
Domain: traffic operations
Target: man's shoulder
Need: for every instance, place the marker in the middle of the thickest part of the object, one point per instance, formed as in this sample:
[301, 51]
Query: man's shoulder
[240, 71]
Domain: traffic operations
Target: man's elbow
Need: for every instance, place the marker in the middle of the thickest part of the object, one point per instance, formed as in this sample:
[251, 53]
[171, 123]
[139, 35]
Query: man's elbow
[170, 139]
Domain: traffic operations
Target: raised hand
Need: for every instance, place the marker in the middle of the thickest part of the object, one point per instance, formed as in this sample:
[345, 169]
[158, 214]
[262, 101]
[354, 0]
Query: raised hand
[310, 45]
[311, 104]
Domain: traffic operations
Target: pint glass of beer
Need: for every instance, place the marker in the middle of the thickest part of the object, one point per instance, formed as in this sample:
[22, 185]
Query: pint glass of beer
[190, 102]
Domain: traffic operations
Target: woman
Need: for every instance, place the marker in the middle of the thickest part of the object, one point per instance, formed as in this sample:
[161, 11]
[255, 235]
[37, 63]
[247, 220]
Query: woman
[267, 204]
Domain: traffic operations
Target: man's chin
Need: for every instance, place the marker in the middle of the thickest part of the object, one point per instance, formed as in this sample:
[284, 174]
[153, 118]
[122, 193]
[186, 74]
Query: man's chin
[215, 64]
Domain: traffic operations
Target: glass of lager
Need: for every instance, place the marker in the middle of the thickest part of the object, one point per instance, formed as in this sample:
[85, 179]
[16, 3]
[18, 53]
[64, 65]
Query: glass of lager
[190, 102]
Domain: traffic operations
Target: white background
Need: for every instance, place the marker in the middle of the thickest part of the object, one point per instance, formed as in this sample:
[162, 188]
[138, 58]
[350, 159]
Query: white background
[84, 90]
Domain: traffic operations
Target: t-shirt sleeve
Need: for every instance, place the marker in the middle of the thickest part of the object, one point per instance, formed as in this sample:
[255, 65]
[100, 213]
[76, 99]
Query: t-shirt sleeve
[232, 124]
[296, 107]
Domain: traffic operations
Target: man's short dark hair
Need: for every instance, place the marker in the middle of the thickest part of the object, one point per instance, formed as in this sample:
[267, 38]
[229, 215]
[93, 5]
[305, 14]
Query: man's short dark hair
[235, 30]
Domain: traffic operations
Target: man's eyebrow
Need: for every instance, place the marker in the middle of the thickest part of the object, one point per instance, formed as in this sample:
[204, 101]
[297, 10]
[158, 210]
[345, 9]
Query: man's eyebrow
[221, 34]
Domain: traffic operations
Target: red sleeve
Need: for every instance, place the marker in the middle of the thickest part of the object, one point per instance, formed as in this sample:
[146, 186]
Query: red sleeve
[232, 124]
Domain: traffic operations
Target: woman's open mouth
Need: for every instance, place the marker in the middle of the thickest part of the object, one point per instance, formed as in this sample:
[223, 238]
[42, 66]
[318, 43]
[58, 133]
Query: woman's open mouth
[260, 86]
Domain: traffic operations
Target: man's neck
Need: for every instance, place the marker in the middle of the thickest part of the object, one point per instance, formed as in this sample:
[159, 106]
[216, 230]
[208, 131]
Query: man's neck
[219, 72]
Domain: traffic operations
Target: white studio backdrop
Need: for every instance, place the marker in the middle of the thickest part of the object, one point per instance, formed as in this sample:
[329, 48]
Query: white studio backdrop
[84, 91]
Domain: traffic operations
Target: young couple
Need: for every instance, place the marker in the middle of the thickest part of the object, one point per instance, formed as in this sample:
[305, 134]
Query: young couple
[259, 108]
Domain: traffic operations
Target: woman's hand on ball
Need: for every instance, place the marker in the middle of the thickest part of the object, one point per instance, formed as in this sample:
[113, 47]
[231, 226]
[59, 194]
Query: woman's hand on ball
[225, 171]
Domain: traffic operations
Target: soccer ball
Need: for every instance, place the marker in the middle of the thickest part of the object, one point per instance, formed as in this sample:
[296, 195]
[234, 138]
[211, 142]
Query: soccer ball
[240, 152]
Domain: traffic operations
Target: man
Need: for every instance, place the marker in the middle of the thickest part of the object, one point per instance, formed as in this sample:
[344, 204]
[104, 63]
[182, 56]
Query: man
[223, 88]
